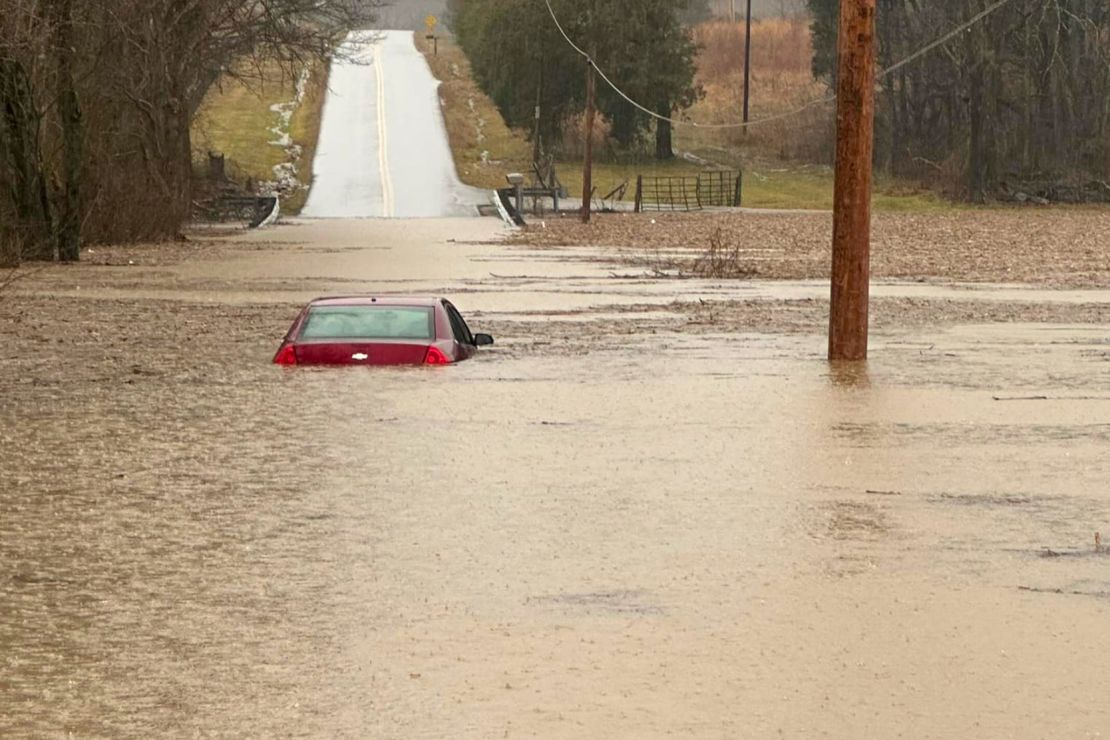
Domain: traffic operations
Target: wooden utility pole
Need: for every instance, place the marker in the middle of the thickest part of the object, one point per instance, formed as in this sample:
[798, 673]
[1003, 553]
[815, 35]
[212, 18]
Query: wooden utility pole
[747, 59]
[536, 132]
[588, 163]
[855, 119]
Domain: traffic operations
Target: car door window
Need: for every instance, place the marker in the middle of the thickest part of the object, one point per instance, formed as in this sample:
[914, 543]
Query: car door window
[458, 325]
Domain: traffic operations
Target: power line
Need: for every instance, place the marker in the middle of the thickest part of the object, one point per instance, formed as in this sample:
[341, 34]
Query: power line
[943, 39]
[779, 116]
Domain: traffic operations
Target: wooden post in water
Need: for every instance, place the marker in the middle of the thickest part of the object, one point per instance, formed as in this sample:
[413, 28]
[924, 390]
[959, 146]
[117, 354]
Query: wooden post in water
[855, 118]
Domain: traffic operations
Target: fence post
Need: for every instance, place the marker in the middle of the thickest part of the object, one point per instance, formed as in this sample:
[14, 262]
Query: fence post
[639, 193]
[216, 167]
[739, 188]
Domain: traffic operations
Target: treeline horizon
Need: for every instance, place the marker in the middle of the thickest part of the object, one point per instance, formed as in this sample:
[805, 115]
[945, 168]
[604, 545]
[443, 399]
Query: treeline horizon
[1019, 101]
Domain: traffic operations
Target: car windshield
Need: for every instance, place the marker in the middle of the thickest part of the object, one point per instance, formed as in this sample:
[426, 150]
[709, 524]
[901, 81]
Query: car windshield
[368, 322]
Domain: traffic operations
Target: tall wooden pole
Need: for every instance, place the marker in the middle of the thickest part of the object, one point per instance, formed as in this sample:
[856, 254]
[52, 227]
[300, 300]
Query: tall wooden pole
[855, 119]
[588, 163]
[747, 59]
[539, 101]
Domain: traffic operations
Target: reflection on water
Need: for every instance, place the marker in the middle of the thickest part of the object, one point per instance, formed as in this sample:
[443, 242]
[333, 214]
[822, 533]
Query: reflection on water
[854, 520]
[849, 374]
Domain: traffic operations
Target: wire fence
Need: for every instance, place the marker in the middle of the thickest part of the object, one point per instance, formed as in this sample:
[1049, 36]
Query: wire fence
[721, 188]
[710, 189]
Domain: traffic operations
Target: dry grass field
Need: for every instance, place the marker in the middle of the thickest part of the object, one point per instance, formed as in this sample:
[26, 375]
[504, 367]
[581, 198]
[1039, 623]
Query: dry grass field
[781, 83]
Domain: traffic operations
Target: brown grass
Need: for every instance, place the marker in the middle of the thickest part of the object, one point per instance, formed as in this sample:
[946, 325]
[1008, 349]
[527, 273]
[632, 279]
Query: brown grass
[778, 45]
[235, 119]
[781, 82]
[722, 259]
[485, 149]
[304, 129]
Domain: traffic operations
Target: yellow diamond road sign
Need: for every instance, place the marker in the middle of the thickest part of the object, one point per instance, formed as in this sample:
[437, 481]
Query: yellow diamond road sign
[431, 21]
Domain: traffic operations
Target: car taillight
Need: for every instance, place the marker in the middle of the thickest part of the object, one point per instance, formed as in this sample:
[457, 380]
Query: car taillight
[435, 356]
[286, 355]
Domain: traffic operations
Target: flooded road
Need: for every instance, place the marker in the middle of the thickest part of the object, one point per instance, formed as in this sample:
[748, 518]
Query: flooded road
[614, 523]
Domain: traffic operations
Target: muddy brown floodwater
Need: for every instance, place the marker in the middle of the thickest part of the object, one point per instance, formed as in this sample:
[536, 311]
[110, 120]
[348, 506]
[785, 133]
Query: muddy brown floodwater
[630, 518]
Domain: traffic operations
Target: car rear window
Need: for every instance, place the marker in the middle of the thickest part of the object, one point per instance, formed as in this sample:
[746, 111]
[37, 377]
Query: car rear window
[368, 322]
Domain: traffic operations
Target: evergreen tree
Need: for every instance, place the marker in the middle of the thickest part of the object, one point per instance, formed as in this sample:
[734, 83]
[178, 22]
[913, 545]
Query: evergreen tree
[520, 59]
[823, 26]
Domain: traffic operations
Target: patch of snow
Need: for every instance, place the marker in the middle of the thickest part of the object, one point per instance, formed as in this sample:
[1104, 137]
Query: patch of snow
[286, 180]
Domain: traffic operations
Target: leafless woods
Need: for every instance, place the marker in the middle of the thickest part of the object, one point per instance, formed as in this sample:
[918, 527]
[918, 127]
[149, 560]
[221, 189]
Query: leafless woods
[1020, 100]
[97, 97]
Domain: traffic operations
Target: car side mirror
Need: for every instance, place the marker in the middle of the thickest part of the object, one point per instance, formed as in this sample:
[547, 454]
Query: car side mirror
[481, 340]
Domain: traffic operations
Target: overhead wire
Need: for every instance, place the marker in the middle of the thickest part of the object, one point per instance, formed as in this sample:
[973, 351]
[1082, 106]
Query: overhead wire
[943, 39]
[779, 116]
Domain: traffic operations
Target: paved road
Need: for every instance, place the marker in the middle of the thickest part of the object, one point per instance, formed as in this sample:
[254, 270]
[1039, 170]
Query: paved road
[383, 149]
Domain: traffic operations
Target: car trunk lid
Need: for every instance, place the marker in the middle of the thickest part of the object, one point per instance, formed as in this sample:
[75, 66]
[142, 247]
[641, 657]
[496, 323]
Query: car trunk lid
[361, 353]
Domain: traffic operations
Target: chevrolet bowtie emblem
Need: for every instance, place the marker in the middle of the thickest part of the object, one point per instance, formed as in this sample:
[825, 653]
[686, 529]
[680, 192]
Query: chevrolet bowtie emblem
[359, 356]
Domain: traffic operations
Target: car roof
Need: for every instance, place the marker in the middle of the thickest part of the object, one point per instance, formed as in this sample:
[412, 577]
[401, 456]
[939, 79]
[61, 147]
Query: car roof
[375, 300]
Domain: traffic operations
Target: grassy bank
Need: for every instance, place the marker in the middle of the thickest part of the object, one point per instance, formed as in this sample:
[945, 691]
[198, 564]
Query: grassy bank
[237, 119]
[765, 185]
[485, 149]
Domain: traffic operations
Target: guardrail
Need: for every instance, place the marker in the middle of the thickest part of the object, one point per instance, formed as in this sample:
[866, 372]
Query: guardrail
[260, 210]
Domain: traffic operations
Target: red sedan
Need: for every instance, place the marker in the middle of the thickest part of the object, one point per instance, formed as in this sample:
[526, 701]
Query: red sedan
[379, 330]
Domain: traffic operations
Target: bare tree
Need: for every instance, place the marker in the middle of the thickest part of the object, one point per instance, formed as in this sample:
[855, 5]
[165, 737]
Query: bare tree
[97, 98]
[1019, 100]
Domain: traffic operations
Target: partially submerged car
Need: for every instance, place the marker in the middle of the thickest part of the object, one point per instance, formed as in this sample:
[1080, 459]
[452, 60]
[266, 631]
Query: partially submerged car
[379, 330]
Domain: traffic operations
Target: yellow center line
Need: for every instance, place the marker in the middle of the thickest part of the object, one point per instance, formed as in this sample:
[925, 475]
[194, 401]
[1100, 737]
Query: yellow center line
[383, 158]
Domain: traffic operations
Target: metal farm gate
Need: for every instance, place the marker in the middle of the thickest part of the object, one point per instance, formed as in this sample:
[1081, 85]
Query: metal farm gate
[710, 189]
[719, 188]
[666, 193]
